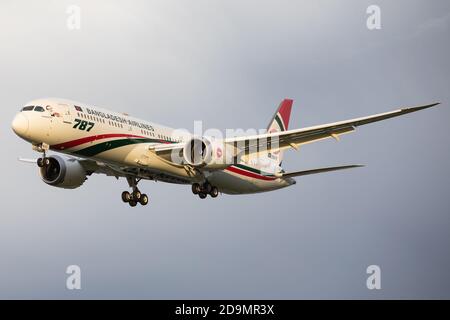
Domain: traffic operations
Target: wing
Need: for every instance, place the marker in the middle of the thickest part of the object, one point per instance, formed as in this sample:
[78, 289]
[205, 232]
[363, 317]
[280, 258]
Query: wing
[92, 166]
[295, 138]
[97, 167]
[319, 170]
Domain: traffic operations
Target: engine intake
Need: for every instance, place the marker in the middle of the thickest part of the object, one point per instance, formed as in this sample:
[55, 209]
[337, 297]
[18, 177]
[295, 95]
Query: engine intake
[197, 152]
[208, 153]
[63, 173]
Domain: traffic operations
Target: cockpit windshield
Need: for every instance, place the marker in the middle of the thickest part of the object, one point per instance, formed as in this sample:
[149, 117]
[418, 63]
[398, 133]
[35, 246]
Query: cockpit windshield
[36, 108]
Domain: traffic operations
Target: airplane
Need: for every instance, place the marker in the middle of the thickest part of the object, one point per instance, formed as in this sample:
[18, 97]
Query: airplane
[97, 140]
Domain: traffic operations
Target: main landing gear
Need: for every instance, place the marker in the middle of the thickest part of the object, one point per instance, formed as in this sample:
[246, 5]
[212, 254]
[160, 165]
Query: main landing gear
[135, 196]
[202, 190]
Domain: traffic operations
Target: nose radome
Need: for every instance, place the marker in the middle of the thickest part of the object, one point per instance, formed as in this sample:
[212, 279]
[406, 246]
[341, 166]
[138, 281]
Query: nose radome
[20, 124]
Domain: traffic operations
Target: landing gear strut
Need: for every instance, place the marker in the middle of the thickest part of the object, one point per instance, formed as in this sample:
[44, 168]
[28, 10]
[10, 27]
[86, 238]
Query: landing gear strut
[43, 161]
[202, 190]
[135, 196]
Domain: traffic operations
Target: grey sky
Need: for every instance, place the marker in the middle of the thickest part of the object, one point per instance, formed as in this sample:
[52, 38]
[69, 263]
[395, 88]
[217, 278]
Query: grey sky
[229, 63]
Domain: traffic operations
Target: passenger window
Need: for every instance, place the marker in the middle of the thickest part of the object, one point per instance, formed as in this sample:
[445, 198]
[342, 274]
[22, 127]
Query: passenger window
[39, 109]
[27, 108]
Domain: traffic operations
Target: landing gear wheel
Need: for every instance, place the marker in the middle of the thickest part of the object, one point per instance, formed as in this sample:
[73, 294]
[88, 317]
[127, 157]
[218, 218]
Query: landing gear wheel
[43, 162]
[214, 192]
[143, 200]
[136, 195]
[132, 203]
[196, 188]
[207, 188]
[126, 196]
[202, 195]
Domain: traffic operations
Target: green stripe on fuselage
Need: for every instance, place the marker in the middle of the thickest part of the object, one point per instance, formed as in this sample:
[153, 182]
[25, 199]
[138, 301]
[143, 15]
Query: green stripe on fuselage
[109, 145]
[254, 170]
[113, 144]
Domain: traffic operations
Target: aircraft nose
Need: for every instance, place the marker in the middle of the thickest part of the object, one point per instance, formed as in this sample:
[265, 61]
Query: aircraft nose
[20, 124]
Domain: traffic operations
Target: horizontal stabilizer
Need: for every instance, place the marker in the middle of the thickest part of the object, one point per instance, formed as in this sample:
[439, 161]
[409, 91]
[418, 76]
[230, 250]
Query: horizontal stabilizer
[319, 170]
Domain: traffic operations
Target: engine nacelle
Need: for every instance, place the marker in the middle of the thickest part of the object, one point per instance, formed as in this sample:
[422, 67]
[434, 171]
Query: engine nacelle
[63, 173]
[208, 153]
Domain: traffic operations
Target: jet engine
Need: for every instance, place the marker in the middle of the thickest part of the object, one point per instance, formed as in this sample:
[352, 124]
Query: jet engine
[63, 173]
[207, 153]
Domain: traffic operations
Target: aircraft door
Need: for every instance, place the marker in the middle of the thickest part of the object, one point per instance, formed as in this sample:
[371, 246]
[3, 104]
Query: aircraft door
[64, 113]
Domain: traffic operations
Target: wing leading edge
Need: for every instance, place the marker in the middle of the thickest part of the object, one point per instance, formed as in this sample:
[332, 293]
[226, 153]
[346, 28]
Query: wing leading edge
[295, 138]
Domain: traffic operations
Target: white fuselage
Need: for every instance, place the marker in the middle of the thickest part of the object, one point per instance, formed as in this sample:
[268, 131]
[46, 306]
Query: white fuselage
[120, 140]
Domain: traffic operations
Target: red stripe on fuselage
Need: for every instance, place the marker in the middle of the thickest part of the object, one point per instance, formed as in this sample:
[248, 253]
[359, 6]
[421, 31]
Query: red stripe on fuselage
[249, 174]
[77, 142]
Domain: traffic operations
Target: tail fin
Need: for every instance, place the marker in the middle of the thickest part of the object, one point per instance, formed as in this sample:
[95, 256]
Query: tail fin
[280, 122]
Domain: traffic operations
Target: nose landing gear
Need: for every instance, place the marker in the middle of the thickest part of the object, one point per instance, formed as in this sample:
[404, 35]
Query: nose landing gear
[202, 190]
[43, 162]
[43, 148]
[136, 196]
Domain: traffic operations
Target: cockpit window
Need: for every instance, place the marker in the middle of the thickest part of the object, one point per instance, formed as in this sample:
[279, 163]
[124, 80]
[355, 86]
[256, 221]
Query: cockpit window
[39, 109]
[27, 108]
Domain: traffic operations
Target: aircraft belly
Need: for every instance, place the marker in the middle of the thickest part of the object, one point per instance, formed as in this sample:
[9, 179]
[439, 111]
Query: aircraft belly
[232, 183]
[140, 156]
